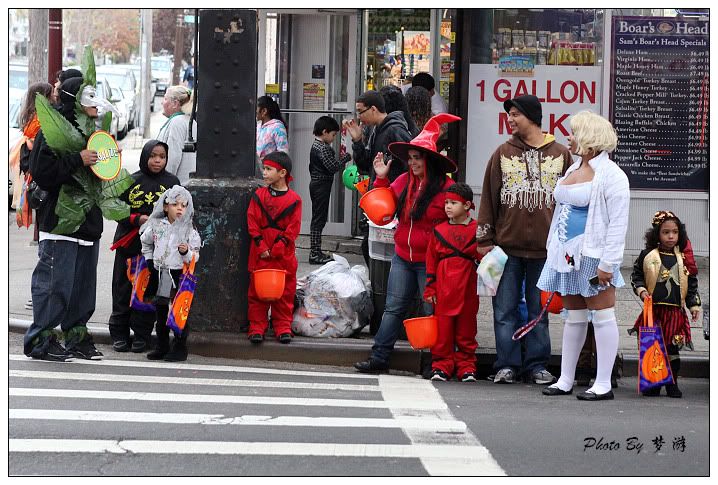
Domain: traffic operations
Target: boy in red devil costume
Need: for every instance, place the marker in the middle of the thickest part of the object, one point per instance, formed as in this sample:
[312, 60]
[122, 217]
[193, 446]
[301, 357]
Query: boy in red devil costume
[451, 286]
[273, 219]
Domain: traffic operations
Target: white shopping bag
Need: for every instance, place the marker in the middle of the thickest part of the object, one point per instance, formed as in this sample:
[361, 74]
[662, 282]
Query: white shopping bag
[489, 272]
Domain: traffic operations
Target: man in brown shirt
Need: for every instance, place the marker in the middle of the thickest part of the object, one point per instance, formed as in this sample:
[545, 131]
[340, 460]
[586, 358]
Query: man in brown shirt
[515, 214]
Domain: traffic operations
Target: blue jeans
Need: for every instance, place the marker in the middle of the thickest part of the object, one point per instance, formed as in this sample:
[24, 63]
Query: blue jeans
[405, 279]
[64, 287]
[506, 317]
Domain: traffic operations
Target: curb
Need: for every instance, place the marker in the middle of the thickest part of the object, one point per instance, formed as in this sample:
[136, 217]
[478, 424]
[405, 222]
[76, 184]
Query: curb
[344, 352]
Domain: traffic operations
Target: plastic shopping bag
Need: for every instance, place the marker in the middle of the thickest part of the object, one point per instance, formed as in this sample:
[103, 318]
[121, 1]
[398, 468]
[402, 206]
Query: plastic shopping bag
[489, 272]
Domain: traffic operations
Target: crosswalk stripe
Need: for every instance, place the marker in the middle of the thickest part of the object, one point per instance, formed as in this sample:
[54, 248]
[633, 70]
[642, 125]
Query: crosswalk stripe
[213, 398]
[465, 453]
[202, 367]
[246, 420]
[139, 379]
[394, 388]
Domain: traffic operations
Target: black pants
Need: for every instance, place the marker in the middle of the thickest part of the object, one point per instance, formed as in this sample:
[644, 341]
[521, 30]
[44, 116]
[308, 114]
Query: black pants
[319, 192]
[123, 318]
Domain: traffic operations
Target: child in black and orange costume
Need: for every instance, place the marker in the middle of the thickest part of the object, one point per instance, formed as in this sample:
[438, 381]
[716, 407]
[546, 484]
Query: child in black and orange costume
[274, 218]
[661, 271]
[451, 286]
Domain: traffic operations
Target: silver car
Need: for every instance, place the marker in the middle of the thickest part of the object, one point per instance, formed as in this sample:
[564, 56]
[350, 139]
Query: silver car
[122, 77]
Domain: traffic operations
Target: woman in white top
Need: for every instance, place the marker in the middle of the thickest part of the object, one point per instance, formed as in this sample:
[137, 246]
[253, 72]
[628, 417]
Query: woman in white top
[585, 241]
[177, 107]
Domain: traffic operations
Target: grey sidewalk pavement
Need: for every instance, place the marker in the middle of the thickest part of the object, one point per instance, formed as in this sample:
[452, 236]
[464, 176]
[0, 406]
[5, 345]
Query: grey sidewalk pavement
[345, 351]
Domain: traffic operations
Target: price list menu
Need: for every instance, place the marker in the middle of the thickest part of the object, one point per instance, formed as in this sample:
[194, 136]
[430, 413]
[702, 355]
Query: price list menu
[659, 101]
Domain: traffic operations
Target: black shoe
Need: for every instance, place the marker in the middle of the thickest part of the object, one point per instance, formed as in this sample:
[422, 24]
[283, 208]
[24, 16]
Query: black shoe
[555, 391]
[158, 354]
[177, 354]
[121, 346]
[439, 375]
[138, 345]
[285, 338]
[468, 377]
[256, 338]
[85, 350]
[320, 258]
[54, 352]
[652, 392]
[592, 396]
[673, 391]
[371, 366]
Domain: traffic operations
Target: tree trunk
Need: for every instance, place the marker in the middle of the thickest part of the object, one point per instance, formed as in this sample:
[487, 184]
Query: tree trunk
[37, 47]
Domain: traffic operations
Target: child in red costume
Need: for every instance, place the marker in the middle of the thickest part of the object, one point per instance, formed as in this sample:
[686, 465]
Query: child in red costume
[451, 286]
[274, 217]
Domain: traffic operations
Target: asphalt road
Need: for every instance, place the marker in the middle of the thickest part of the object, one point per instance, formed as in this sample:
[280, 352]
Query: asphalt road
[207, 417]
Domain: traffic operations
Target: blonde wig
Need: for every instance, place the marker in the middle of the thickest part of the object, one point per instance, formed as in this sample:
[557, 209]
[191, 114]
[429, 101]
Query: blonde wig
[593, 133]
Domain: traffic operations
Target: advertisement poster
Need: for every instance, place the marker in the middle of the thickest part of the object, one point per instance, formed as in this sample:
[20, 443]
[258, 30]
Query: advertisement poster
[313, 96]
[659, 101]
[562, 90]
[417, 43]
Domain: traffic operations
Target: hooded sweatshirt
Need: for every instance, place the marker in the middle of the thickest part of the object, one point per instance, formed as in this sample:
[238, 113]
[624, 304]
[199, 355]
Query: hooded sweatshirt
[412, 236]
[393, 128]
[271, 137]
[147, 188]
[517, 196]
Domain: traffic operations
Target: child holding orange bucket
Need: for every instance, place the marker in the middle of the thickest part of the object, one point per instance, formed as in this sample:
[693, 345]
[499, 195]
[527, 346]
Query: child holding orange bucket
[274, 217]
[451, 286]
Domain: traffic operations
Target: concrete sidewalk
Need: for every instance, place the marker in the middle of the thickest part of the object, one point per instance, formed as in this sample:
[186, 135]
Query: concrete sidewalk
[346, 351]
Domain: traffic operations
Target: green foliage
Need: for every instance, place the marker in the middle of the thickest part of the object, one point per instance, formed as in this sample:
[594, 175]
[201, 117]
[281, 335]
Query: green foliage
[86, 124]
[107, 121]
[61, 136]
[88, 67]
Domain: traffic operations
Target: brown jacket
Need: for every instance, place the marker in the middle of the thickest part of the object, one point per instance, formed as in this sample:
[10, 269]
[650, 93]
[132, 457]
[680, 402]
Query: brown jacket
[517, 197]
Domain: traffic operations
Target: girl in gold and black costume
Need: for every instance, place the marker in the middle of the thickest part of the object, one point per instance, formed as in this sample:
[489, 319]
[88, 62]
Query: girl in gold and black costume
[660, 271]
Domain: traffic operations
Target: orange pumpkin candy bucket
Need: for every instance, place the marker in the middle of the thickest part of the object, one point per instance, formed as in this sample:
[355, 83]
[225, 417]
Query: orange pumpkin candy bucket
[379, 205]
[422, 332]
[654, 367]
[269, 283]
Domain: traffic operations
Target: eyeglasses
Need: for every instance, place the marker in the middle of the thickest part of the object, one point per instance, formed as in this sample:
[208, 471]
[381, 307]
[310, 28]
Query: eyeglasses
[359, 113]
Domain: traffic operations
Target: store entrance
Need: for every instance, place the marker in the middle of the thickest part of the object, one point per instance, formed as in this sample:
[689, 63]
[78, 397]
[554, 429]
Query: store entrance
[307, 62]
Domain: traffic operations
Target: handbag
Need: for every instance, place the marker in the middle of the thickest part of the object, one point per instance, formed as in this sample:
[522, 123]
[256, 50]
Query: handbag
[179, 308]
[139, 275]
[654, 367]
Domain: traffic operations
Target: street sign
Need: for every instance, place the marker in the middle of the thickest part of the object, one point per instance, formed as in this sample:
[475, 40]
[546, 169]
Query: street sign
[189, 19]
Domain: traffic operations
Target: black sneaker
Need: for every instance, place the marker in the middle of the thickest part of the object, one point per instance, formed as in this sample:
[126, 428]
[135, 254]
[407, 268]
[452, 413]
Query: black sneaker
[371, 366]
[320, 258]
[121, 346]
[439, 375]
[86, 350]
[285, 338]
[55, 353]
[139, 345]
[468, 377]
[256, 338]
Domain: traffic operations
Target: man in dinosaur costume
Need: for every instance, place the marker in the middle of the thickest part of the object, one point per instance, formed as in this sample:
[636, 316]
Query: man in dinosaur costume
[71, 203]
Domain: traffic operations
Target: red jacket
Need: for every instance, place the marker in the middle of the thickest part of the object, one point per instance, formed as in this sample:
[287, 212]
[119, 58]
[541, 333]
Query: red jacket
[451, 262]
[277, 236]
[412, 236]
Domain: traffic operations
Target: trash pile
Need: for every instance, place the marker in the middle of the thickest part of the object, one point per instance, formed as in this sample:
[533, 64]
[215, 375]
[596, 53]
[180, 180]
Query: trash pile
[333, 301]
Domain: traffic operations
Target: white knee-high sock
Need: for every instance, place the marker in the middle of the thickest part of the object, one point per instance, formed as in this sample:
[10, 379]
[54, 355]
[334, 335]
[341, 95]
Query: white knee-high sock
[606, 330]
[574, 336]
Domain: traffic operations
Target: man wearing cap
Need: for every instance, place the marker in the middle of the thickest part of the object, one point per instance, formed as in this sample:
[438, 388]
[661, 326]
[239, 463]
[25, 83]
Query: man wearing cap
[515, 214]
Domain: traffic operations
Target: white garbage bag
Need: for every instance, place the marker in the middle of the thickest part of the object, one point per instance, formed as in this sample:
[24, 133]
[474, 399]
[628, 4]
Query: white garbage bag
[489, 272]
[334, 300]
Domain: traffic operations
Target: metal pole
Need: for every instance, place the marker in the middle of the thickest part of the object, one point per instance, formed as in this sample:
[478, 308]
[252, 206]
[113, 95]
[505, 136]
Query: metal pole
[145, 70]
[54, 45]
[179, 49]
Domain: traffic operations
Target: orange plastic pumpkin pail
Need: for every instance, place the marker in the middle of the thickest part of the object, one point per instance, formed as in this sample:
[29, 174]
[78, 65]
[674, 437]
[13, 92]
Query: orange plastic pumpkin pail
[378, 205]
[269, 283]
[422, 331]
[556, 303]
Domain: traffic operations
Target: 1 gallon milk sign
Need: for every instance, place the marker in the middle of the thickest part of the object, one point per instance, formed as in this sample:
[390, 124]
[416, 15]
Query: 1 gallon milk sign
[562, 90]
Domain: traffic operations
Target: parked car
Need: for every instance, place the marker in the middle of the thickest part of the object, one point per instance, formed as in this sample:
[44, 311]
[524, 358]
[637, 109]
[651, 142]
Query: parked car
[137, 72]
[104, 90]
[17, 76]
[122, 77]
[162, 73]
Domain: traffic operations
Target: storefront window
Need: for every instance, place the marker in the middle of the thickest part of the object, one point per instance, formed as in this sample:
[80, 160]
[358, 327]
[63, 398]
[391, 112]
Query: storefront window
[527, 37]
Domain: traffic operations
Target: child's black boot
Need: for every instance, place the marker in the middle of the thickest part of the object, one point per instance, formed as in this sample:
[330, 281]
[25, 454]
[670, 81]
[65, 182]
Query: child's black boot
[163, 342]
[672, 389]
[179, 348]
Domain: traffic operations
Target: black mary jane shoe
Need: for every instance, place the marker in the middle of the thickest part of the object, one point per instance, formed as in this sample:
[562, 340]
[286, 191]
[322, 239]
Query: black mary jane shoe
[592, 396]
[555, 391]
